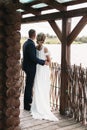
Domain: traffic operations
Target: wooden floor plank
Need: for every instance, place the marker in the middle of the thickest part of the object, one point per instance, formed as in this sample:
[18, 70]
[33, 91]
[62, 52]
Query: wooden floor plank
[64, 123]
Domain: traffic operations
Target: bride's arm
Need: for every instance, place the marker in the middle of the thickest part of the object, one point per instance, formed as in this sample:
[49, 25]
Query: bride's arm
[47, 55]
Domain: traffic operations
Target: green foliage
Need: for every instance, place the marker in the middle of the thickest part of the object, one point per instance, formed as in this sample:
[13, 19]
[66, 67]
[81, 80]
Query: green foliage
[23, 39]
[54, 40]
[49, 40]
[81, 40]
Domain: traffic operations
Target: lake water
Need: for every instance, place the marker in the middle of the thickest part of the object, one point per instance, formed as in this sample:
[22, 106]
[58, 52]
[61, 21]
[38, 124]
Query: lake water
[78, 53]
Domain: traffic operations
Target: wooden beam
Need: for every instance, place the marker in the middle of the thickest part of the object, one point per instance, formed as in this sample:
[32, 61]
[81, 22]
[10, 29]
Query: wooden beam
[41, 18]
[55, 16]
[45, 8]
[55, 28]
[39, 9]
[75, 12]
[54, 4]
[31, 10]
[51, 5]
[15, 1]
[27, 9]
[26, 4]
[77, 30]
[75, 2]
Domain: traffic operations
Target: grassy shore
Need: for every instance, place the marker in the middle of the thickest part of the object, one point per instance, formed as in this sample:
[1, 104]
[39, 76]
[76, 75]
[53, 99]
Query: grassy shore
[53, 40]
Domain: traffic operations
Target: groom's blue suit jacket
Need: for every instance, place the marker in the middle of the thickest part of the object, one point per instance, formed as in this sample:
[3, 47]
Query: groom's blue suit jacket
[29, 57]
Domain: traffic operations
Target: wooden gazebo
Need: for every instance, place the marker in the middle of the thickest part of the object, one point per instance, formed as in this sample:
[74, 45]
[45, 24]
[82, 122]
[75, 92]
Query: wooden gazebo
[11, 18]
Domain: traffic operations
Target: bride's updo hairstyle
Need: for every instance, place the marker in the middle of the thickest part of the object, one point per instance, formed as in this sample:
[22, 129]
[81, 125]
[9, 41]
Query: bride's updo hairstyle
[41, 38]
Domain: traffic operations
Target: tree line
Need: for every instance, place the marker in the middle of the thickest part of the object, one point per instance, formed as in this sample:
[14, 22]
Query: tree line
[78, 40]
[54, 39]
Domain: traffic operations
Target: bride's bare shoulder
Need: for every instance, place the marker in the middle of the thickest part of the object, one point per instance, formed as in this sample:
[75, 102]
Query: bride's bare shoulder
[45, 49]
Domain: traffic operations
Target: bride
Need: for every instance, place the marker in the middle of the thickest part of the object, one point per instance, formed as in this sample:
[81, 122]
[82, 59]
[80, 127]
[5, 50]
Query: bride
[40, 108]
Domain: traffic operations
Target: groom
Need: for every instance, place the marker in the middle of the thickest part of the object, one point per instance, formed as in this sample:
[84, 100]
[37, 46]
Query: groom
[29, 67]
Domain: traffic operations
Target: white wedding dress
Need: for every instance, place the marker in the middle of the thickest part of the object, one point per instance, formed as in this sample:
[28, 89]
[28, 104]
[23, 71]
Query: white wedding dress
[40, 108]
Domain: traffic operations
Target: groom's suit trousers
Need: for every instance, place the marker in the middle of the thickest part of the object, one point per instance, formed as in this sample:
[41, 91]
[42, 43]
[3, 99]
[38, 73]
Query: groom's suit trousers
[28, 88]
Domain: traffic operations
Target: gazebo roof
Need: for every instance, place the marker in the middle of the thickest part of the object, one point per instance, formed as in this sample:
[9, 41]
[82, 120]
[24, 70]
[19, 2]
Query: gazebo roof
[44, 10]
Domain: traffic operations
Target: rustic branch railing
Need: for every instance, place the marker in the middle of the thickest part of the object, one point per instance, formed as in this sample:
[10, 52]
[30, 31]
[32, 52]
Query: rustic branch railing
[55, 86]
[76, 92]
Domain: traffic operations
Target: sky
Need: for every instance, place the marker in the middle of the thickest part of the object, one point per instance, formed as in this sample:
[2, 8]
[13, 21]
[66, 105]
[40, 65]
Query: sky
[46, 28]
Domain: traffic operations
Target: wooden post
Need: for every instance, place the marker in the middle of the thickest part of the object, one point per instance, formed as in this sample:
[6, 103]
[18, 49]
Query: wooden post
[68, 46]
[65, 60]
